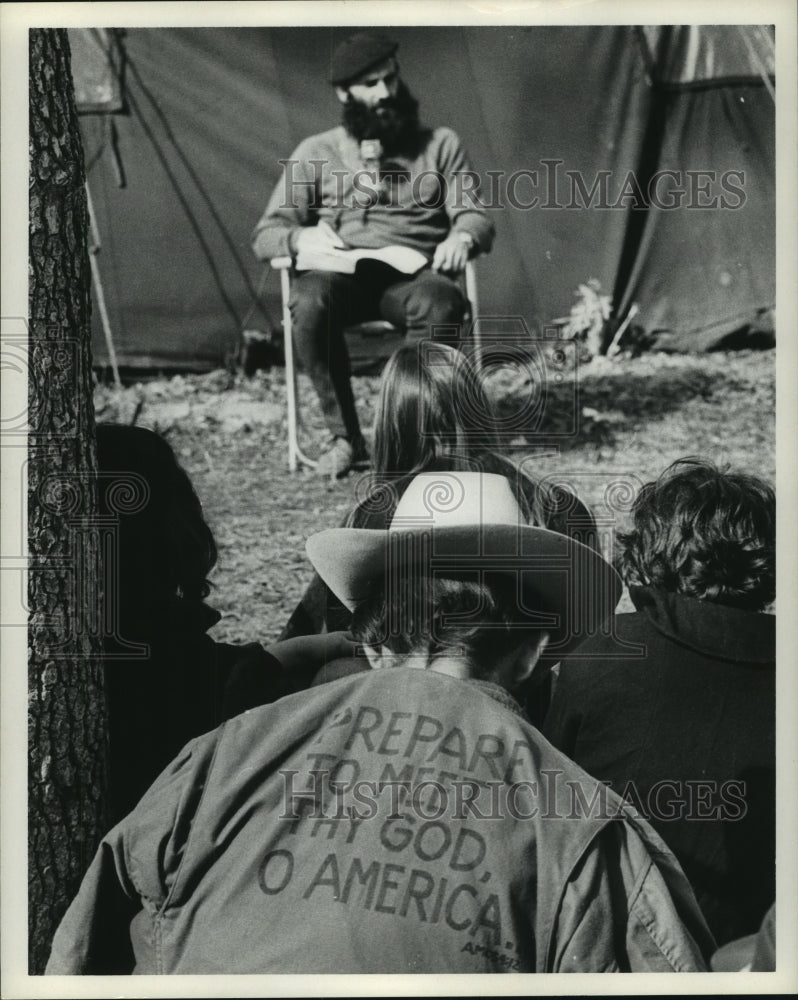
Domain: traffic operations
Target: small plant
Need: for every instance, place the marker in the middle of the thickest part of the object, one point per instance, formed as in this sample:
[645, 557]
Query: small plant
[588, 317]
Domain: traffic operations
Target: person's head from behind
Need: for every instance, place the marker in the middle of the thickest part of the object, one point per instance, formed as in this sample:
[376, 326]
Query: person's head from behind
[704, 532]
[431, 405]
[461, 583]
[465, 625]
[166, 546]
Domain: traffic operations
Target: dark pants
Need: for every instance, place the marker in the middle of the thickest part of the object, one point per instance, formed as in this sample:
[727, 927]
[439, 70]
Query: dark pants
[324, 303]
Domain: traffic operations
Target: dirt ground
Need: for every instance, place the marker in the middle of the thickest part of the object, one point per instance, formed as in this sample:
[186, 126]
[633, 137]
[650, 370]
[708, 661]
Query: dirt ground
[604, 427]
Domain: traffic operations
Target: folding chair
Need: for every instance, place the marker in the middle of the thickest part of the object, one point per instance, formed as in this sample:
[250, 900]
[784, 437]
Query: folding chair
[285, 267]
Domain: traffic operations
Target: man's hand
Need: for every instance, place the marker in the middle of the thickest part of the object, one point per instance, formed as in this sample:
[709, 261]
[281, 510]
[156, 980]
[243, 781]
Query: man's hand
[452, 255]
[309, 653]
[320, 237]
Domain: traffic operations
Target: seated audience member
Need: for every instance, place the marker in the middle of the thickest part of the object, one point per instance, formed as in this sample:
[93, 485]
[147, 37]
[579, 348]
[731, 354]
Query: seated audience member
[433, 413]
[166, 679]
[408, 819]
[677, 707]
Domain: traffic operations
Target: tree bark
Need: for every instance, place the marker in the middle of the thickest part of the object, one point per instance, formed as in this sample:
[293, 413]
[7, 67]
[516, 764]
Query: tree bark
[66, 716]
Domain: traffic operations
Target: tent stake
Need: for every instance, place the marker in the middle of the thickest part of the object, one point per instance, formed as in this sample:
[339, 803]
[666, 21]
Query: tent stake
[613, 349]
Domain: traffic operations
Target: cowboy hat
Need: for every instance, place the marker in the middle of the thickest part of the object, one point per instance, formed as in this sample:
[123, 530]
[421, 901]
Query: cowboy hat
[454, 522]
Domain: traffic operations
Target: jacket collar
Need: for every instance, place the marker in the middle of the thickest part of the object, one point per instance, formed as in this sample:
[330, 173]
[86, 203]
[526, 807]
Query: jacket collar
[713, 630]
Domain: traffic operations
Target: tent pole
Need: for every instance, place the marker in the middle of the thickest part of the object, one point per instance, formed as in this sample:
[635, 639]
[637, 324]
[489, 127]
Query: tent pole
[94, 249]
[754, 56]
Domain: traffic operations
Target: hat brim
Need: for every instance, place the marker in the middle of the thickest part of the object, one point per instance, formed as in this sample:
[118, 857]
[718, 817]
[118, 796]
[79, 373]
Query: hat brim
[565, 587]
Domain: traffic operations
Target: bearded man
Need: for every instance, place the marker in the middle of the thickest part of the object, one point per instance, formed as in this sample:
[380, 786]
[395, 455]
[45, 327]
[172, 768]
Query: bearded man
[379, 179]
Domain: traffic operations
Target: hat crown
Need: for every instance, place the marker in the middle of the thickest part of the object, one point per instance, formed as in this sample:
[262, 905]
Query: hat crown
[467, 521]
[359, 53]
[439, 500]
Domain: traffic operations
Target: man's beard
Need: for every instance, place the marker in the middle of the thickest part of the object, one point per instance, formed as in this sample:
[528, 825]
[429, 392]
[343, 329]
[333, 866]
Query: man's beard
[394, 121]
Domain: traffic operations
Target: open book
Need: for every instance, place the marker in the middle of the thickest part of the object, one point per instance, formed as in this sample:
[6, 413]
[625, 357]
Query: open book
[403, 259]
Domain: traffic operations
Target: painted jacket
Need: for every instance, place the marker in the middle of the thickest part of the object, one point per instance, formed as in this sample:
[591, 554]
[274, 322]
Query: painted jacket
[425, 193]
[396, 821]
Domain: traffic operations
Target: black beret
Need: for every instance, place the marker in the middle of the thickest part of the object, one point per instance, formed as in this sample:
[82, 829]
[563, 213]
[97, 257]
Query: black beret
[359, 53]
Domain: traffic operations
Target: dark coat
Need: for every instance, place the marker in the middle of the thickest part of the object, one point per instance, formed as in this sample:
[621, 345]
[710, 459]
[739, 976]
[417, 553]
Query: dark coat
[680, 701]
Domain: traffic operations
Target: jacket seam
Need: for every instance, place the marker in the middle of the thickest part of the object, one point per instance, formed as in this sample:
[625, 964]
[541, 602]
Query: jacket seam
[550, 940]
[149, 904]
[632, 900]
[159, 915]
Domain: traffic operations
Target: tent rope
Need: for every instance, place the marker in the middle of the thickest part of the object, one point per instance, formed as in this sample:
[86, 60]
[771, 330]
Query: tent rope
[94, 249]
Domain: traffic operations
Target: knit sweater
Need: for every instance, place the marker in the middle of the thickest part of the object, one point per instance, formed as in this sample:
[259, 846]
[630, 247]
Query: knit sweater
[428, 191]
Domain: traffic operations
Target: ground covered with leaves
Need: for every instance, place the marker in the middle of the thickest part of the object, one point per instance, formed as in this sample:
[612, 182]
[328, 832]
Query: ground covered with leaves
[604, 427]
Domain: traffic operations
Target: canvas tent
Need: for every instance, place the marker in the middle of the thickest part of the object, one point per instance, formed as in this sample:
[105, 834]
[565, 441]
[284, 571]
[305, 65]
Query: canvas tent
[183, 131]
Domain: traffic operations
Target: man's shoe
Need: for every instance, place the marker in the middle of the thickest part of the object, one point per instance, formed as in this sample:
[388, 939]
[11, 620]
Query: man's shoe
[342, 456]
[337, 460]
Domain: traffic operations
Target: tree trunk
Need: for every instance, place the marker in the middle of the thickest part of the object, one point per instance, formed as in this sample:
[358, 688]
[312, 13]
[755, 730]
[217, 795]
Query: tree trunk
[66, 715]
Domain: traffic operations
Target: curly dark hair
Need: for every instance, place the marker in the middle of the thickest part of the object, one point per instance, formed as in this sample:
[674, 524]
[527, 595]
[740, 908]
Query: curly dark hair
[704, 532]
